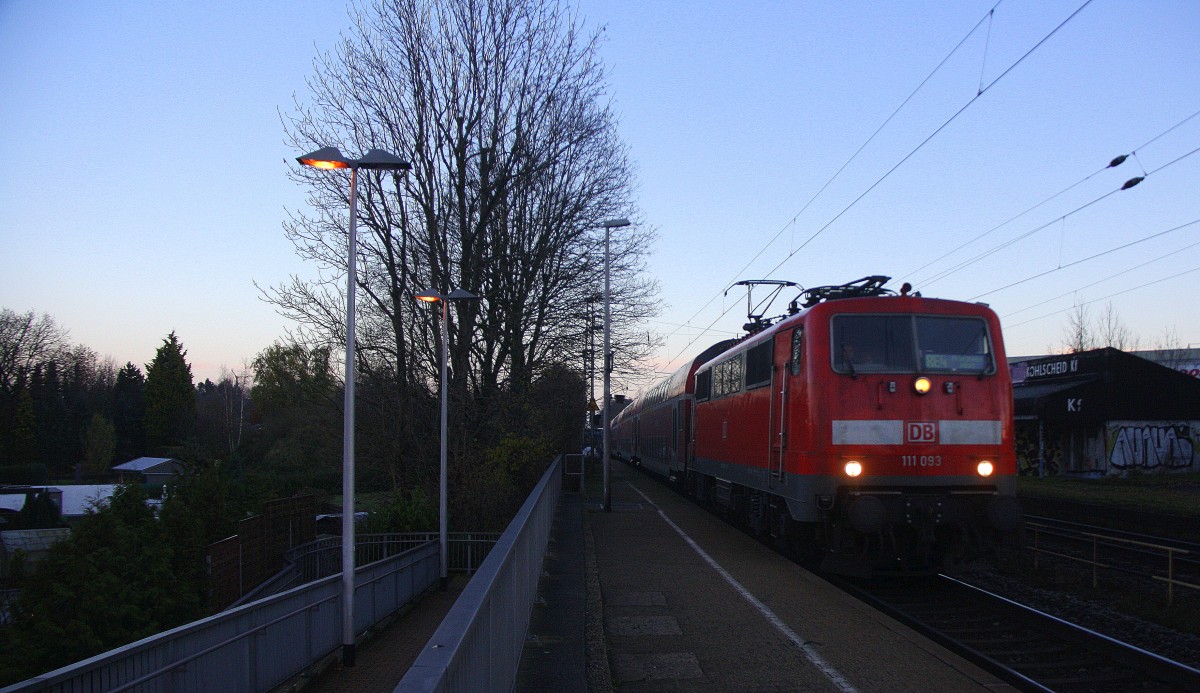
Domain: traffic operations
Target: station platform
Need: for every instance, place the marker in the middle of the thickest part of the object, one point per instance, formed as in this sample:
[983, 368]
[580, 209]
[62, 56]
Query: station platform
[660, 595]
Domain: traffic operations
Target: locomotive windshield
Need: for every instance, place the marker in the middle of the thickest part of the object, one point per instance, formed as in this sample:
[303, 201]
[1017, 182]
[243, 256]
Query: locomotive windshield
[911, 344]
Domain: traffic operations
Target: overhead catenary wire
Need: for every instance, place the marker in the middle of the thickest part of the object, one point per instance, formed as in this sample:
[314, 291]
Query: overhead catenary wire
[1097, 255]
[980, 92]
[1116, 161]
[1127, 270]
[838, 173]
[983, 90]
[997, 248]
[1102, 298]
[1102, 280]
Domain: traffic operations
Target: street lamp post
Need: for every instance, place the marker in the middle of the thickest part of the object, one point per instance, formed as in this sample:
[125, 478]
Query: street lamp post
[443, 523]
[609, 225]
[379, 160]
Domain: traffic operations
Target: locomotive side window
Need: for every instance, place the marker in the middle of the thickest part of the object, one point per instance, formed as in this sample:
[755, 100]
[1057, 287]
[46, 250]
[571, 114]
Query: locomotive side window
[758, 365]
[910, 344]
[797, 350]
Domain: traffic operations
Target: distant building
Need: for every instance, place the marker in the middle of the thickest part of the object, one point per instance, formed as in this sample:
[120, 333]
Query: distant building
[149, 470]
[33, 543]
[1103, 412]
[73, 500]
[1186, 361]
[13, 497]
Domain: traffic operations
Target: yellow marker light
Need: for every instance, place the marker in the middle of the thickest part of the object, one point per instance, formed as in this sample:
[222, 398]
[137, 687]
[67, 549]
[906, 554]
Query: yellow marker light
[854, 468]
[985, 468]
[922, 385]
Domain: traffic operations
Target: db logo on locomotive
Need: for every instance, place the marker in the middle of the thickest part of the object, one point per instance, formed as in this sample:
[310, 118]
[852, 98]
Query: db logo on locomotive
[920, 432]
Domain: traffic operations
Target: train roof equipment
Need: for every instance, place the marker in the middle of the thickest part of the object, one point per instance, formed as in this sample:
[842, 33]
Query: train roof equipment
[859, 288]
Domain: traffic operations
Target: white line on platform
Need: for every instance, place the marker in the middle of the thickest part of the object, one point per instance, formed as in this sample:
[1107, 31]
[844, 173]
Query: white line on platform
[810, 652]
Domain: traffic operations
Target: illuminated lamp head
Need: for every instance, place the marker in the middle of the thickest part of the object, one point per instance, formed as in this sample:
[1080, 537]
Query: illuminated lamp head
[326, 158]
[922, 385]
[985, 468]
[853, 468]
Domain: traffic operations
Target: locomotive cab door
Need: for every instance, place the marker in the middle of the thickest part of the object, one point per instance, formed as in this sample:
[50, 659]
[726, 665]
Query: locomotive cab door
[786, 366]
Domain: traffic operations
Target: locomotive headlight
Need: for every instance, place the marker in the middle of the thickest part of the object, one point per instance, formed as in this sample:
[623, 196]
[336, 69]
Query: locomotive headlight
[985, 468]
[922, 385]
[854, 468]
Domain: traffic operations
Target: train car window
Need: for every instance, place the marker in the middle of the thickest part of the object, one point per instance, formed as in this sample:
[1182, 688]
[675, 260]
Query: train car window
[758, 365]
[954, 345]
[727, 376]
[797, 350]
[703, 385]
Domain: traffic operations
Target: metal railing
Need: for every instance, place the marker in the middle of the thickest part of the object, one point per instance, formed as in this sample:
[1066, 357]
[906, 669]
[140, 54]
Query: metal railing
[478, 645]
[263, 644]
[1097, 541]
[323, 557]
[255, 647]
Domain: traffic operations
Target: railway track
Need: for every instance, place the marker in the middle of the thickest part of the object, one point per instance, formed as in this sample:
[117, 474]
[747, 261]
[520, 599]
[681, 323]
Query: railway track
[1030, 649]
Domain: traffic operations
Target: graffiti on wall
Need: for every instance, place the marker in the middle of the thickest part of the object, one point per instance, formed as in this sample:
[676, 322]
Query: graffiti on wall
[1158, 446]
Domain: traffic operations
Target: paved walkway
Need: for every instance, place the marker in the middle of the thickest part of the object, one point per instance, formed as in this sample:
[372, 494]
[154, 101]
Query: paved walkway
[383, 659]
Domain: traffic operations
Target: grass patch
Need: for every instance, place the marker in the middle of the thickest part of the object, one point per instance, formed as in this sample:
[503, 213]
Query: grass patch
[1176, 494]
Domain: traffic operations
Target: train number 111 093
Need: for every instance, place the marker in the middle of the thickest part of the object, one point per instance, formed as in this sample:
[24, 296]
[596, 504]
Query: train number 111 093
[920, 460]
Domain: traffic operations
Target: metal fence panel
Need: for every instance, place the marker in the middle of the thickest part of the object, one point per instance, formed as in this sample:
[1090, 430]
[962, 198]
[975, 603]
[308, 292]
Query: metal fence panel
[254, 647]
[478, 645]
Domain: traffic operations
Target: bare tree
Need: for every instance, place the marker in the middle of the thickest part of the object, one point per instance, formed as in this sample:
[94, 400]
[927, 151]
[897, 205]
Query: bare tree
[500, 107]
[1077, 335]
[1174, 352]
[27, 339]
[1113, 332]
[234, 393]
[1084, 332]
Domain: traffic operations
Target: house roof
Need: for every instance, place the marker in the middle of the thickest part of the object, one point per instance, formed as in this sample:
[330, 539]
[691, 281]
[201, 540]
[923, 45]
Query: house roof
[143, 464]
[1102, 385]
[77, 499]
[31, 540]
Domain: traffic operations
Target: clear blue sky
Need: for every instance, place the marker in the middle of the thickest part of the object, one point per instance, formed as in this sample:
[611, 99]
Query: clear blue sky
[145, 182]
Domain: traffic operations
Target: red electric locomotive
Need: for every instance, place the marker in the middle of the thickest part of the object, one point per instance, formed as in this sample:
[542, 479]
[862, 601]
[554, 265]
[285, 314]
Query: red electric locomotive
[871, 427]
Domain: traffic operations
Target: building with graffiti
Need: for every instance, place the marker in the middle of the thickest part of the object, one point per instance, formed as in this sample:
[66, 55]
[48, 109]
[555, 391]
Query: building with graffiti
[1104, 412]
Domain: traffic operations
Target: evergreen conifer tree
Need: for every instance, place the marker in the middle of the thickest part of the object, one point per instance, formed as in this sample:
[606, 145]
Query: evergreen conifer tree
[169, 396]
[109, 584]
[129, 412]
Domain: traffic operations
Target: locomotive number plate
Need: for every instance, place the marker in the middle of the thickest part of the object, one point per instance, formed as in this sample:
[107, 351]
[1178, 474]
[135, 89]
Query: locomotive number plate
[920, 460]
